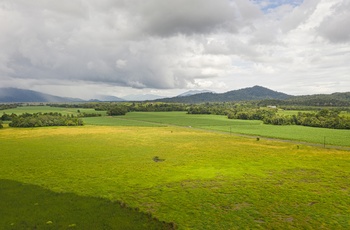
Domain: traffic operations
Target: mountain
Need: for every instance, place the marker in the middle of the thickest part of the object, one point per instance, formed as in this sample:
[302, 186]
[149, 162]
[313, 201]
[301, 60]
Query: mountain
[246, 94]
[194, 92]
[142, 97]
[107, 98]
[10, 95]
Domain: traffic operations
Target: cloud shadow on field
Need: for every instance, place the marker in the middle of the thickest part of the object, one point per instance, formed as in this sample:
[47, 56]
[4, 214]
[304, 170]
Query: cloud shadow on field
[25, 206]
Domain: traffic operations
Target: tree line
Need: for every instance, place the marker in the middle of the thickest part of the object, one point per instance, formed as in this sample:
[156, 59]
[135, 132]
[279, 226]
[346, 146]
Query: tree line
[41, 120]
[121, 108]
[324, 118]
[8, 106]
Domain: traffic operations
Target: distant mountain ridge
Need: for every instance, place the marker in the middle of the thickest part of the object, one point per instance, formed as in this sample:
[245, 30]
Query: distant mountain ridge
[107, 98]
[257, 93]
[14, 95]
[246, 94]
[141, 97]
[194, 92]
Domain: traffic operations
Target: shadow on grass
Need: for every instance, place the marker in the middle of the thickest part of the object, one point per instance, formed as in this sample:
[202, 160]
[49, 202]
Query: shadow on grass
[24, 206]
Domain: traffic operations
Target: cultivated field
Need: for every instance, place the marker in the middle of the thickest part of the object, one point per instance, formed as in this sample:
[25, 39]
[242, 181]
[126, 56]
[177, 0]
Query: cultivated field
[194, 178]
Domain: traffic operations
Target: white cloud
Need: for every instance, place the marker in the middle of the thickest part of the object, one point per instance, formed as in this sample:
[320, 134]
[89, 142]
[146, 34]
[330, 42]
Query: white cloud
[157, 45]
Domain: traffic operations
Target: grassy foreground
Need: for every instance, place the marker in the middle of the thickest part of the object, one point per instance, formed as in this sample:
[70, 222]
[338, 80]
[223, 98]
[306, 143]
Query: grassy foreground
[206, 181]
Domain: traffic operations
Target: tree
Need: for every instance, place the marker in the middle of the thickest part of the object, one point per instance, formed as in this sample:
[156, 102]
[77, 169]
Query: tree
[116, 111]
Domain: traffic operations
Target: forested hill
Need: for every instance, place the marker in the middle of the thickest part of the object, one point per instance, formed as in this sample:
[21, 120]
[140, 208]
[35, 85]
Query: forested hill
[246, 94]
[334, 99]
[22, 95]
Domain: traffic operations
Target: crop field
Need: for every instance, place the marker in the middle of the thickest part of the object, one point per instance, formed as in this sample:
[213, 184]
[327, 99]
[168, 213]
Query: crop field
[193, 178]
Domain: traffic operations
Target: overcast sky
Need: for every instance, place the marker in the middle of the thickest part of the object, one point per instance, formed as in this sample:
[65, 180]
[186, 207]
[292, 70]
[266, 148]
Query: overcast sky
[166, 47]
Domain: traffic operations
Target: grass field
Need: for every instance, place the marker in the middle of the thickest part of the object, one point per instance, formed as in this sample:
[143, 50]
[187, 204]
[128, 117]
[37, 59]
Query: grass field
[209, 122]
[255, 128]
[47, 109]
[206, 181]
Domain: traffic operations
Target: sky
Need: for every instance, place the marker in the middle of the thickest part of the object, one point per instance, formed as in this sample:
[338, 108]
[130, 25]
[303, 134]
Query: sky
[85, 48]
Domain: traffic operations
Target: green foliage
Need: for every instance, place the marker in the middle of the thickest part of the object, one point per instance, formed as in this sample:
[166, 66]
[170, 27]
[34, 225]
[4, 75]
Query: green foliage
[279, 120]
[89, 114]
[7, 117]
[324, 118]
[117, 110]
[251, 114]
[1, 126]
[320, 100]
[45, 119]
[8, 106]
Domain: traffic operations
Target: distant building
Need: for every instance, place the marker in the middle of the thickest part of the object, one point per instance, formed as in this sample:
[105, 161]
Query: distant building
[272, 106]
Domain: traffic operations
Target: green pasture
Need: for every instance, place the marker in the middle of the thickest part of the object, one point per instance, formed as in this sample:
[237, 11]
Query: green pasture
[206, 180]
[256, 128]
[48, 109]
[210, 122]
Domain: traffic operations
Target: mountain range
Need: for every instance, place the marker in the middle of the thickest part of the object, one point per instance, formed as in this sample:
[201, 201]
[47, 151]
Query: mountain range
[246, 94]
[194, 92]
[14, 95]
[10, 95]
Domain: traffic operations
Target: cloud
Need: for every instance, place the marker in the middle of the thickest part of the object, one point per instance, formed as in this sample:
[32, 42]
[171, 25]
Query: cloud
[334, 27]
[159, 44]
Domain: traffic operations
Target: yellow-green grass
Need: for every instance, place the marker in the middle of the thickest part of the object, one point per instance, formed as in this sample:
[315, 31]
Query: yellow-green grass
[118, 121]
[206, 181]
